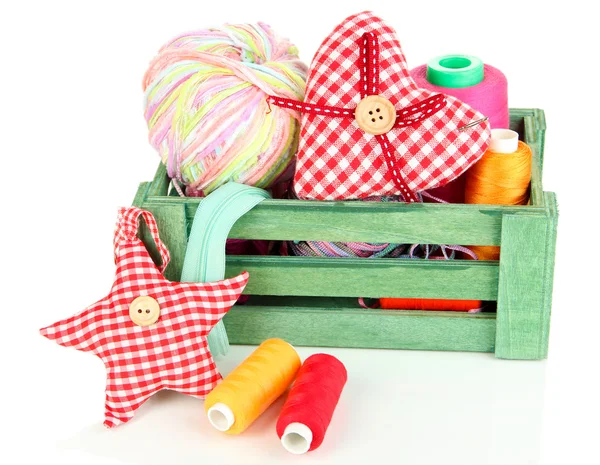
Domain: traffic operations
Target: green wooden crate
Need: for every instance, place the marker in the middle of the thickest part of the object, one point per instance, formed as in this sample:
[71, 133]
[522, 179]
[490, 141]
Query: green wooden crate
[313, 301]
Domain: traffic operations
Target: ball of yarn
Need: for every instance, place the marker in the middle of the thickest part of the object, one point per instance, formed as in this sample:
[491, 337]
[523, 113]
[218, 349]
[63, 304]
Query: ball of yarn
[207, 111]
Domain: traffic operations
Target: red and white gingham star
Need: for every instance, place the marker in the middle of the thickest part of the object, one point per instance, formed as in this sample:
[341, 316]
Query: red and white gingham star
[338, 160]
[169, 354]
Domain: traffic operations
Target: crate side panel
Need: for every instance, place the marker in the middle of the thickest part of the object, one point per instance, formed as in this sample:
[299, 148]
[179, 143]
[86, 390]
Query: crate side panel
[525, 277]
[172, 227]
[552, 204]
[140, 195]
[378, 222]
[347, 277]
[160, 183]
[361, 328]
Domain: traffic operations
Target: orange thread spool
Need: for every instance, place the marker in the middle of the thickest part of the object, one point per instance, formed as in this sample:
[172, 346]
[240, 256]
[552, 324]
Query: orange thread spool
[429, 304]
[254, 385]
[500, 177]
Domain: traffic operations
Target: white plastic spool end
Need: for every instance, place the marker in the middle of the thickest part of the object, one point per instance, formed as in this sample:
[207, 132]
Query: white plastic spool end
[504, 141]
[221, 416]
[297, 438]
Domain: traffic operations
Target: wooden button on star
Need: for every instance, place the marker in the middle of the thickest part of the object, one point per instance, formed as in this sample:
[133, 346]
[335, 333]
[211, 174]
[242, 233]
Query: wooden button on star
[144, 310]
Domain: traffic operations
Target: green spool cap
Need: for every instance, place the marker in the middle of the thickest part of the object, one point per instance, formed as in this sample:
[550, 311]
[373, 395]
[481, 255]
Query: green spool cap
[454, 71]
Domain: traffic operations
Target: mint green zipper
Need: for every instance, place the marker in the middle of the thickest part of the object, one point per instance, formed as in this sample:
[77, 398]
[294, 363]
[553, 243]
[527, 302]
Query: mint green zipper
[205, 255]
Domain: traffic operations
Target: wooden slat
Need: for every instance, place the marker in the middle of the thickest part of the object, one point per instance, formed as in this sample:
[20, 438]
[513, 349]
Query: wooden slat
[550, 256]
[385, 329]
[365, 221]
[140, 195]
[172, 225]
[525, 285]
[352, 277]
[540, 126]
[532, 138]
[160, 183]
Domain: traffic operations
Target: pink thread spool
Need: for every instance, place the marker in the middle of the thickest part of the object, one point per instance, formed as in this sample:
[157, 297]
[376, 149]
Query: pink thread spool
[480, 86]
[465, 77]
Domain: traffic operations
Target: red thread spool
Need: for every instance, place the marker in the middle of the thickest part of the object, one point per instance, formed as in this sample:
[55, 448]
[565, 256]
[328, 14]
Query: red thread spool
[309, 407]
[430, 304]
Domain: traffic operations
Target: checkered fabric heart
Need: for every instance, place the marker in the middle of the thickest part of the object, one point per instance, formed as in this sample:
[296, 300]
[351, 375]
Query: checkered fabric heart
[339, 160]
[170, 353]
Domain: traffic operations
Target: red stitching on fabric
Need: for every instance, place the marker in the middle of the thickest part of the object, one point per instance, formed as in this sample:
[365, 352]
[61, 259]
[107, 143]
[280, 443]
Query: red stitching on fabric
[422, 110]
[394, 171]
[310, 108]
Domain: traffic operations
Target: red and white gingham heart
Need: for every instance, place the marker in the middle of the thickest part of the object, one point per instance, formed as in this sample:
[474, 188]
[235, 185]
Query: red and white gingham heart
[338, 160]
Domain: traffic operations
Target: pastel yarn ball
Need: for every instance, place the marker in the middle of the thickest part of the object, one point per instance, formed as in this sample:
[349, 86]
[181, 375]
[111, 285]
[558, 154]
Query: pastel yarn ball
[207, 110]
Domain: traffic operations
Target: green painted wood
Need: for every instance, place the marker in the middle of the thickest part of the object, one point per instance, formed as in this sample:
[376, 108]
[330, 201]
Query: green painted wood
[140, 195]
[536, 197]
[541, 130]
[530, 123]
[172, 226]
[525, 285]
[531, 139]
[521, 281]
[366, 221]
[355, 277]
[378, 223]
[383, 329]
[533, 130]
[160, 183]
[550, 264]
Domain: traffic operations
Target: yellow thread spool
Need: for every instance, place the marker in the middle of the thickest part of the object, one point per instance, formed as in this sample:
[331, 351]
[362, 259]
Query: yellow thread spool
[500, 177]
[254, 385]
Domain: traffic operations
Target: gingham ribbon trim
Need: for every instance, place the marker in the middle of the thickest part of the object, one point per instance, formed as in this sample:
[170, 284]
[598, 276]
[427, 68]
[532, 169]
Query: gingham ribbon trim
[126, 231]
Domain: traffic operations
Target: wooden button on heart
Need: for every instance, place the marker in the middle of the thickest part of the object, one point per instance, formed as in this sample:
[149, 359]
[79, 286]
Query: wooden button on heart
[144, 310]
[375, 114]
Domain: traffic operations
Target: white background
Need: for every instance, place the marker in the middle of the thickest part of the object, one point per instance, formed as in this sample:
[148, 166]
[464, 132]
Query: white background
[74, 146]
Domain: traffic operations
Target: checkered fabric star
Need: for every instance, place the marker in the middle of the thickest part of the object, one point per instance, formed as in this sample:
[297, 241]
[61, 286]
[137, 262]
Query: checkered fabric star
[431, 138]
[149, 332]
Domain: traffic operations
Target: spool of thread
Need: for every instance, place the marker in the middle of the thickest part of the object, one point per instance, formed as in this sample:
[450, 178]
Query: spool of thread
[500, 177]
[207, 111]
[430, 304]
[251, 387]
[308, 410]
[467, 78]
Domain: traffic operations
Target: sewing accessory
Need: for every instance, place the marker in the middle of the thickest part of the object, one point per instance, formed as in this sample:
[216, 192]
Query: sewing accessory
[501, 177]
[205, 253]
[252, 387]
[149, 332]
[479, 85]
[353, 145]
[310, 405]
[206, 110]
[467, 78]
